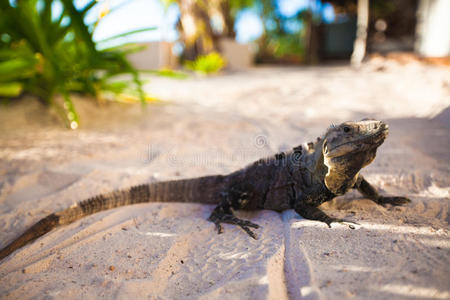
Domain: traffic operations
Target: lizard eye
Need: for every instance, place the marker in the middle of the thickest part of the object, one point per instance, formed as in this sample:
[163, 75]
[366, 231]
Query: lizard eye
[325, 147]
[346, 129]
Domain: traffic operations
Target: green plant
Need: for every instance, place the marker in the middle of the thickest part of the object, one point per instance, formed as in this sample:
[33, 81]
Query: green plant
[48, 54]
[164, 72]
[207, 64]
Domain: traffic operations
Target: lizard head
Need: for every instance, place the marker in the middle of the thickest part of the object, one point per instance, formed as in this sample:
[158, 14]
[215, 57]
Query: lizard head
[353, 137]
[348, 148]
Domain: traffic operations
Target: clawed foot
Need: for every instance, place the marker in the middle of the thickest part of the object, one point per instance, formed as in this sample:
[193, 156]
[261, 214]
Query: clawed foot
[217, 219]
[313, 213]
[330, 220]
[395, 201]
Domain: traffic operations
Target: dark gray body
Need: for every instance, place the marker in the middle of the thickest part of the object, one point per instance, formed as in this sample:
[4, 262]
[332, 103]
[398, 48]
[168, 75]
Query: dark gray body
[279, 182]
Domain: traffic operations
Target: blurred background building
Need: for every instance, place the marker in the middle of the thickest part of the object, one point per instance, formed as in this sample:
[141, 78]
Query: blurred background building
[278, 31]
[433, 28]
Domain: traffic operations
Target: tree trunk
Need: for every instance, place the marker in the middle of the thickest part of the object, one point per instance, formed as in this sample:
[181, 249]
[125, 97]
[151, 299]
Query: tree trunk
[228, 20]
[359, 48]
[311, 40]
[195, 28]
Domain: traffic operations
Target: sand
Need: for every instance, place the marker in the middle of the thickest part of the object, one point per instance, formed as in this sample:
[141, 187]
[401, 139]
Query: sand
[217, 125]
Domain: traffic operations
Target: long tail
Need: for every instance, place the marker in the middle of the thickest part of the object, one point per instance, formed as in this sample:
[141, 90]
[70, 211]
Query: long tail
[201, 190]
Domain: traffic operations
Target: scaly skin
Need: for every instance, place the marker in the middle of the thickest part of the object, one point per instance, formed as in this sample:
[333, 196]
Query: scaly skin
[304, 179]
[301, 179]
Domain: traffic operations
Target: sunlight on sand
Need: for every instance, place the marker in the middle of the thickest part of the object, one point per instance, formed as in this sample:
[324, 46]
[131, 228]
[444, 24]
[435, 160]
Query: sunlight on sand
[239, 255]
[263, 280]
[433, 191]
[404, 229]
[353, 268]
[441, 243]
[157, 234]
[306, 290]
[414, 291]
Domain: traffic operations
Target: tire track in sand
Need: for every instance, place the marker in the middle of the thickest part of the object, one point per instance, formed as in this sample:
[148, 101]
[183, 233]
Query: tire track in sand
[297, 266]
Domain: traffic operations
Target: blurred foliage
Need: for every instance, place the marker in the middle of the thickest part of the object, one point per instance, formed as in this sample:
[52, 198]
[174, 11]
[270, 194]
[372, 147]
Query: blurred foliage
[238, 5]
[279, 42]
[381, 8]
[285, 38]
[168, 73]
[282, 46]
[47, 55]
[207, 64]
[168, 3]
[203, 23]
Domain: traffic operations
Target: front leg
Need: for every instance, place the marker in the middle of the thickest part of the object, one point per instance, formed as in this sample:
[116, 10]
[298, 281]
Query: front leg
[312, 212]
[223, 212]
[368, 191]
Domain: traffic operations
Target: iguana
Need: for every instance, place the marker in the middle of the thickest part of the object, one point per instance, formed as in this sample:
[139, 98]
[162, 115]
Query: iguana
[300, 179]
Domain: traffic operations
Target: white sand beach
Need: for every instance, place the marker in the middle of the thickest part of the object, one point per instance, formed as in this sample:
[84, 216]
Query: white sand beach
[211, 125]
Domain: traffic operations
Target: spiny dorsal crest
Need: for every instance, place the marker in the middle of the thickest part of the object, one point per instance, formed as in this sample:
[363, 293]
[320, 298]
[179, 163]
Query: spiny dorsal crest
[312, 145]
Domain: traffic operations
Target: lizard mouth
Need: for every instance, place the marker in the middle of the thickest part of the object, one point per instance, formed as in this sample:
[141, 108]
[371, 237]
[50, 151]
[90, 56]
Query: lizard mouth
[361, 144]
[377, 138]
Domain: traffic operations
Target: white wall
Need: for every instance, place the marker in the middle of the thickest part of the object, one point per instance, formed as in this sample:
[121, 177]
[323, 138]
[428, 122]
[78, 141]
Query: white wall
[433, 28]
[157, 55]
[238, 56]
